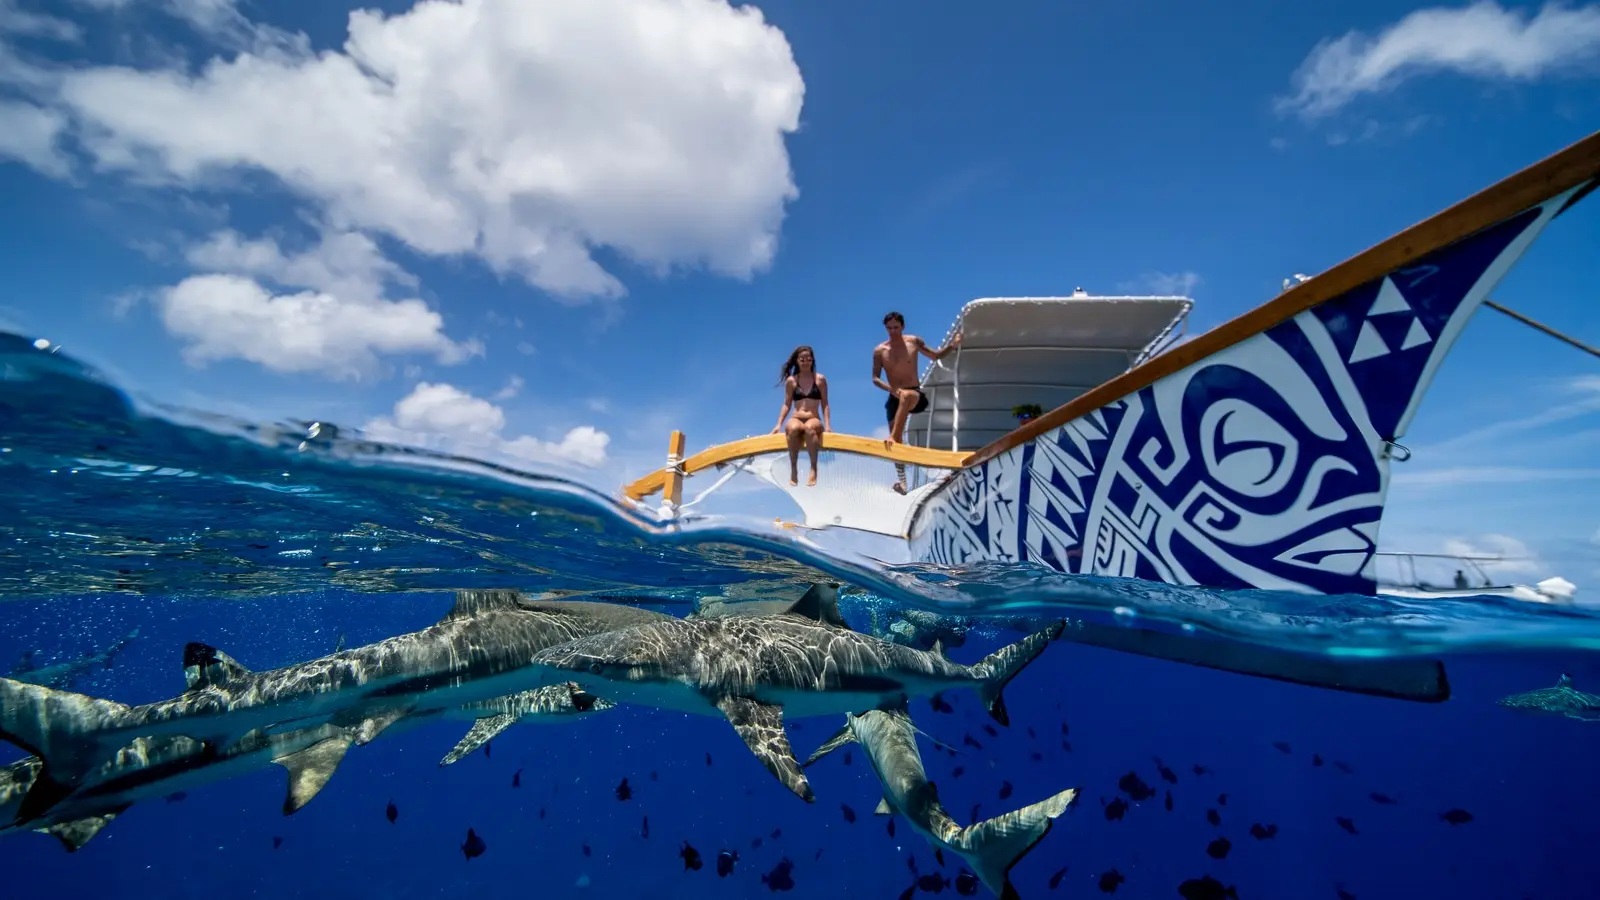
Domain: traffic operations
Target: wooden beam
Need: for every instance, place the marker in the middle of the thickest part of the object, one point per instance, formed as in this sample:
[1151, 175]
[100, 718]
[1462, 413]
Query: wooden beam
[672, 476]
[775, 443]
[1530, 187]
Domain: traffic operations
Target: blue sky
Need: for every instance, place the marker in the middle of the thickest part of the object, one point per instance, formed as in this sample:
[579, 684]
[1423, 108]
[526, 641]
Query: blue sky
[555, 232]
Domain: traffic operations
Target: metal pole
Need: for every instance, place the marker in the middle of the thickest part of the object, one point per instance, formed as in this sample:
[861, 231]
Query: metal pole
[1544, 328]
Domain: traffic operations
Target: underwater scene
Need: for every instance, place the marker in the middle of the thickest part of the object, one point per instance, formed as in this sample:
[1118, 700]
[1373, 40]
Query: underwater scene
[274, 660]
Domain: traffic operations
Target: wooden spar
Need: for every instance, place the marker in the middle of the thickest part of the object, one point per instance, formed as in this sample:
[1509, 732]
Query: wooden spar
[670, 478]
[1537, 183]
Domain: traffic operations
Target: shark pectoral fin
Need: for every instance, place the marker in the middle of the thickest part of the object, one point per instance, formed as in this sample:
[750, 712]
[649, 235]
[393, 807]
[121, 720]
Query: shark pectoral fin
[883, 808]
[372, 726]
[481, 732]
[310, 769]
[206, 666]
[840, 738]
[760, 726]
[74, 834]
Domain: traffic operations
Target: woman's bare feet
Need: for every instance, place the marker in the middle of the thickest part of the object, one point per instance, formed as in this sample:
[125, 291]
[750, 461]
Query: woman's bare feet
[812, 481]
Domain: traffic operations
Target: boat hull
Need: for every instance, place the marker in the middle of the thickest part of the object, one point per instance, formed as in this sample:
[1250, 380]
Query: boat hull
[1263, 465]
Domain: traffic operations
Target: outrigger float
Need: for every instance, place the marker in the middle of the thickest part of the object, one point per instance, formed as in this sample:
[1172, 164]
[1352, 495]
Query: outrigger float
[1255, 455]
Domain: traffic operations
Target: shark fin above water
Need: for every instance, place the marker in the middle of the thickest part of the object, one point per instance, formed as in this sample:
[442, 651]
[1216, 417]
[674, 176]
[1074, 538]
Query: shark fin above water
[74, 834]
[482, 731]
[310, 770]
[760, 726]
[474, 603]
[205, 666]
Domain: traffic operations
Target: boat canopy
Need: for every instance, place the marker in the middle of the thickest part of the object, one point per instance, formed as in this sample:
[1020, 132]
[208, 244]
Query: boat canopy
[1045, 351]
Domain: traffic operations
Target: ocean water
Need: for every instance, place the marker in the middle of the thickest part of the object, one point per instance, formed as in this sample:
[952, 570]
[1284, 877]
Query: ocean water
[276, 542]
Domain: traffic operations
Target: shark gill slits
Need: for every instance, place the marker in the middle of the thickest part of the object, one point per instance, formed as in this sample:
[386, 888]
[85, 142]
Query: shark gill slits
[691, 857]
[474, 846]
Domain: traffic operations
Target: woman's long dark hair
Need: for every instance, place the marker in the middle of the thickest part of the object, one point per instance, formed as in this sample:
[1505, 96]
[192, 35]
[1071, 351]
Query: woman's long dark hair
[792, 366]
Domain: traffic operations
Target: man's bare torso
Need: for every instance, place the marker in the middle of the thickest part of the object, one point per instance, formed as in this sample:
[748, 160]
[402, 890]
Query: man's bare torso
[899, 359]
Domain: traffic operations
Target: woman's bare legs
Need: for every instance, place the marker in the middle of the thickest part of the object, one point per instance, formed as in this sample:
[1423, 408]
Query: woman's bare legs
[795, 431]
[813, 445]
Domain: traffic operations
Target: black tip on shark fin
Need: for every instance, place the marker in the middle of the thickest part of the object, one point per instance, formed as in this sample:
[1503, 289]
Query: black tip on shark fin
[206, 666]
[997, 710]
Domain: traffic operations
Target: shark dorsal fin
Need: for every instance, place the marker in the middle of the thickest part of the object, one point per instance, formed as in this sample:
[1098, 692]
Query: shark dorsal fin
[1564, 681]
[473, 603]
[820, 603]
[206, 666]
[938, 649]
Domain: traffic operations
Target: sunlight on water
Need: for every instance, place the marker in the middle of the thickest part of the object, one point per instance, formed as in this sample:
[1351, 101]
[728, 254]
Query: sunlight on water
[111, 497]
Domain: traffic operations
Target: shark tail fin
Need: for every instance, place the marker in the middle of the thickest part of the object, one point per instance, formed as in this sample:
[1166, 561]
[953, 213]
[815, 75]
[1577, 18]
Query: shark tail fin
[994, 846]
[58, 727]
[841, 737]
[998, 668]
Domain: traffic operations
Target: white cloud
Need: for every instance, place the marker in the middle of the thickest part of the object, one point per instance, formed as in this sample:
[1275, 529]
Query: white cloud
[524, 134]
[233, 317]
[1516, 558]
[28, 135]
[513, 387]
[1176, 284]
[1482, 40]
[1454, 476]
[27, 24]
[444, 417]
[348, 265]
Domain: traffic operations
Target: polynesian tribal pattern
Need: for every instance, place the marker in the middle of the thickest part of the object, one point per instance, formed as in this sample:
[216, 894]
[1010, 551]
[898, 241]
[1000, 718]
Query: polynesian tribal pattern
[1265, 465]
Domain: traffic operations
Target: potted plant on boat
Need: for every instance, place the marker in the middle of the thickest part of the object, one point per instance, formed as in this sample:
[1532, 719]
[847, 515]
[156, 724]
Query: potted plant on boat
[1027, 412]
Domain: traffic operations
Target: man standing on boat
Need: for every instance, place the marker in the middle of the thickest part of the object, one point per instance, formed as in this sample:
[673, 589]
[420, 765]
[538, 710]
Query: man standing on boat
[896, 360]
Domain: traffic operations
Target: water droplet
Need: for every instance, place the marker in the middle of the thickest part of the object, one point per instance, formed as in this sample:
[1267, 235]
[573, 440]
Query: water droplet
[41, 344]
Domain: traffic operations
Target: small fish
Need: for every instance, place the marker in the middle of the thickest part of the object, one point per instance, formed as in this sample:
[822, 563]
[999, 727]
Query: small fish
[969, 741]
[957, 772]
[708, 759]
[1263, 832]
[1346, 824]
[938, 855]
[1222, 799]
[909, 892]
[1382, 799]
[644, 830]
[1167, 775]
[1005, 790]
[890, 824]
[1168, 802]
[177, 797]
[847, 757]
[1218, 849]
[1213, 817]
[541, 812]
[817, 857]
[781, 878]
[939, 705]
[1283, 747]
[989, 730]
[587, 851]
[516, 778]
[755, 844]
[1343, 894]
[1134, 786]
[488, 747]
[473, 846]
[725, 861]
[1036, 756]
[1316, 760]
[691, 857]
[391, 812]
[277, 842]
[1110, 880]
[1064, 730]
[1200, 770]
[933, 883]
[967, 883]
[1031, 733]
[1206, 888]
[1116, 809]
[623, 791]
[849, 814]
[1344, 767]
[777, 833]
[1067, 746]
[1055, 880]
[654, 775]
[1456, 816]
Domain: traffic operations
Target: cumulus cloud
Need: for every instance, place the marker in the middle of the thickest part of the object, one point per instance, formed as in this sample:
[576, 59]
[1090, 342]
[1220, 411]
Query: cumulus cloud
[14, 20]
[233, 317]
[526, 135]
[444, 417]
[1168, 284]
[1482, 40]
[28, 134]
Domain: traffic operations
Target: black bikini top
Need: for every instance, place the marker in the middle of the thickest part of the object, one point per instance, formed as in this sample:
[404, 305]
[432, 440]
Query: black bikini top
[814, 394]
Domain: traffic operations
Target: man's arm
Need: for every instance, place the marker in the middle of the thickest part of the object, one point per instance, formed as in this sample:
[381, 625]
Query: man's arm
[877, 371]
[942, 352]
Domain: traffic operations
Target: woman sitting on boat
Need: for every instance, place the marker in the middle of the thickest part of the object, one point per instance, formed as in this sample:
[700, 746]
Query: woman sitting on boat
[806, 393]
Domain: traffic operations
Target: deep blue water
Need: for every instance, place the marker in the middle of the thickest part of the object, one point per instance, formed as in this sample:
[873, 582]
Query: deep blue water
[269, 546]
